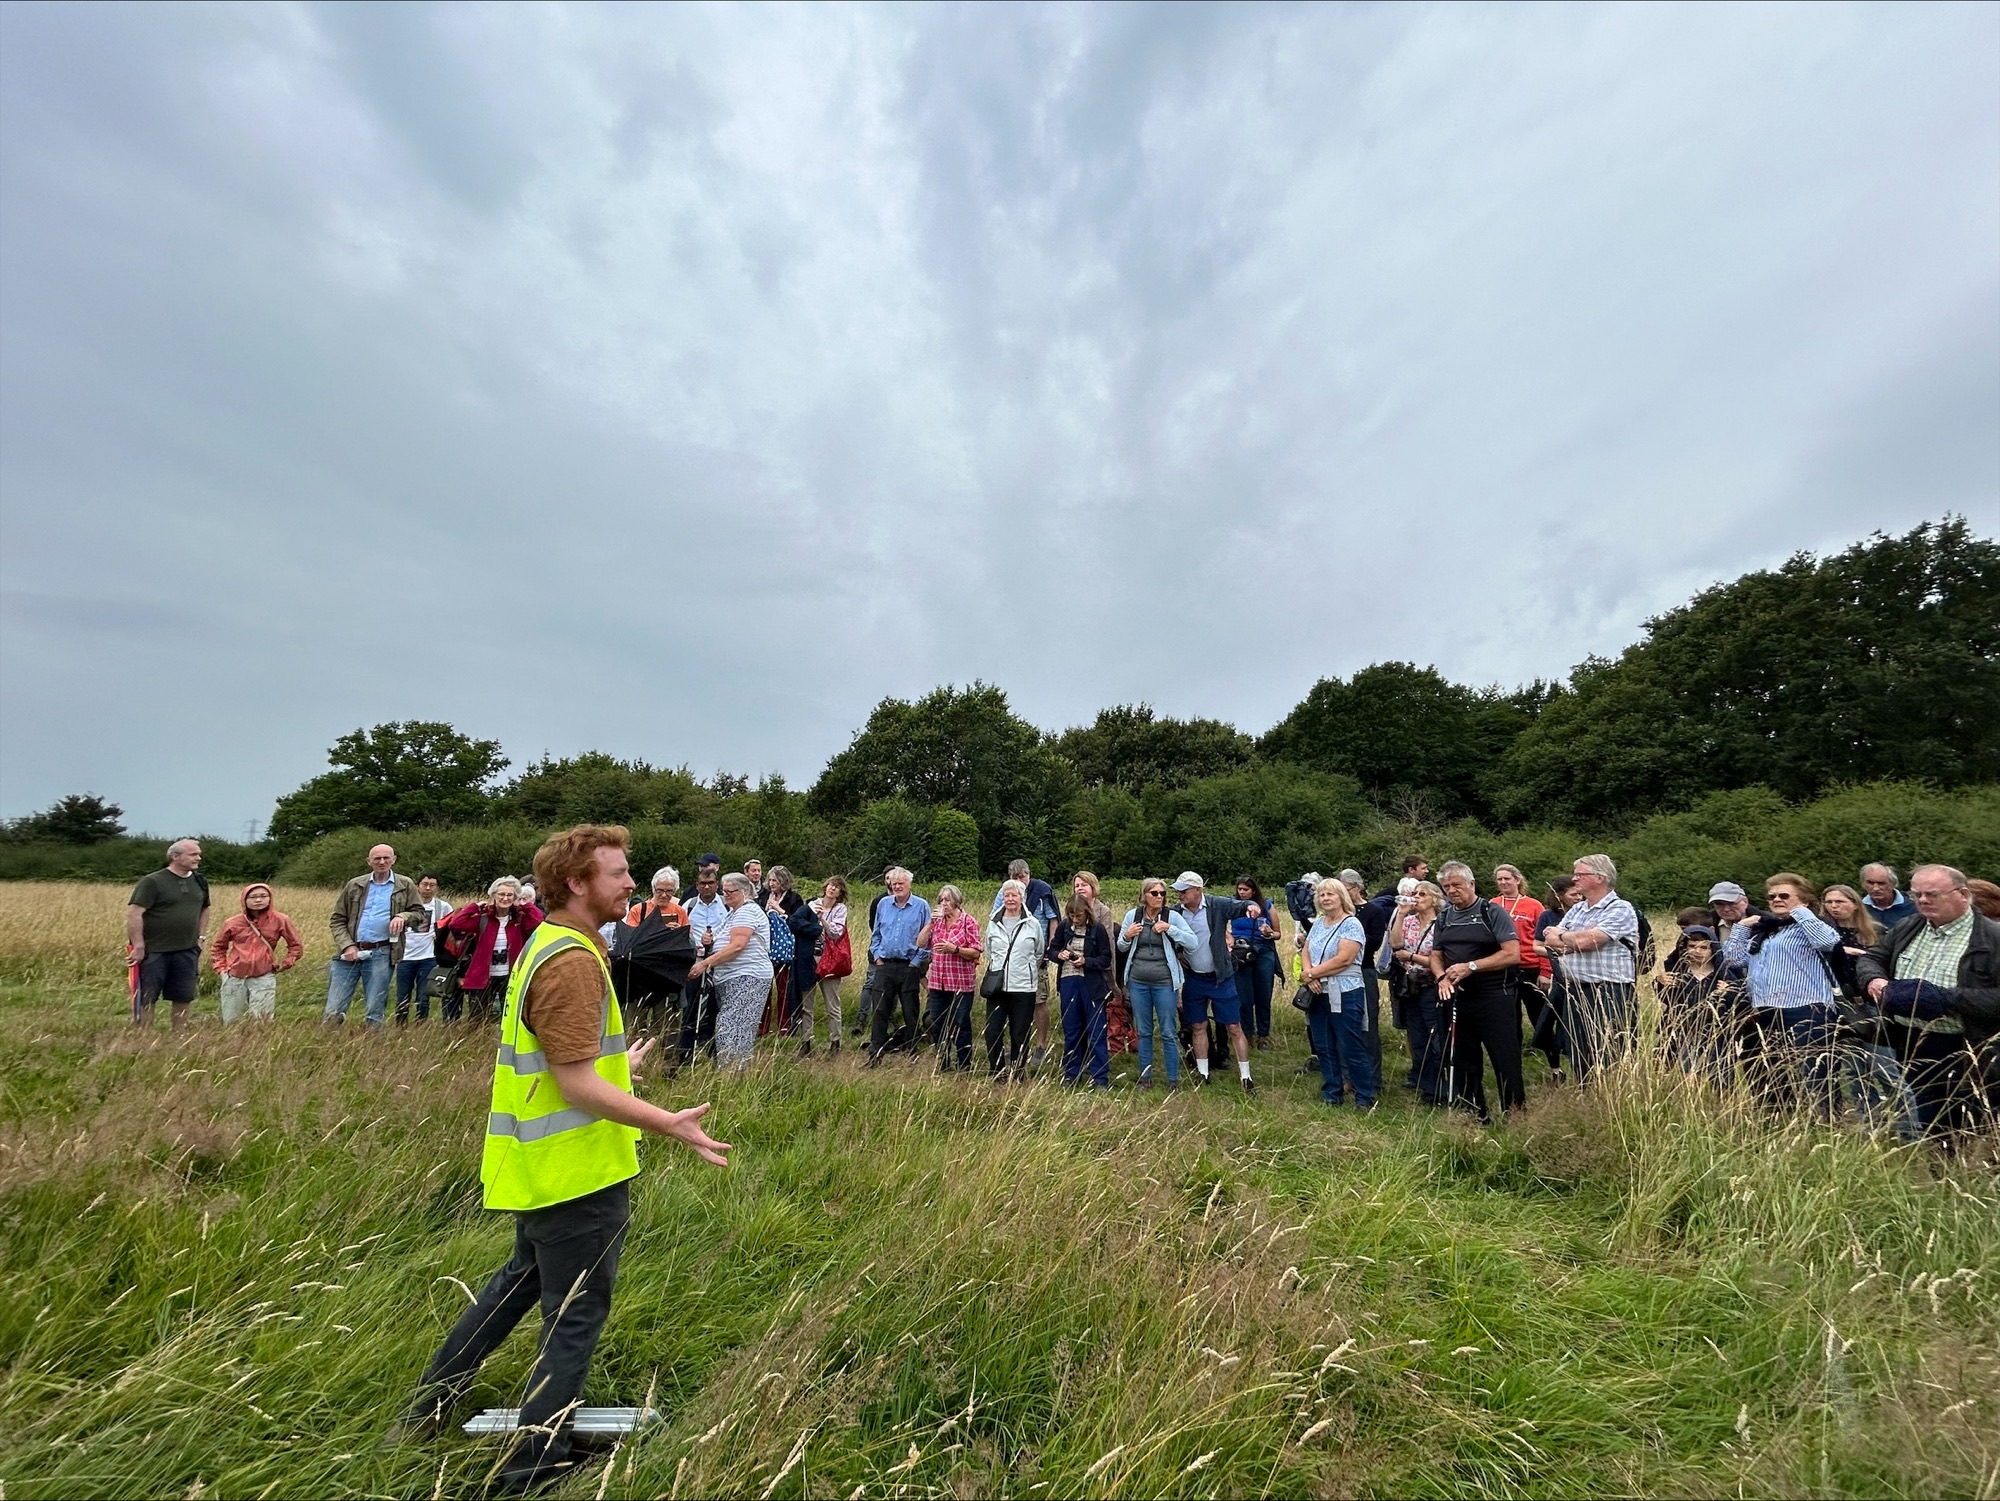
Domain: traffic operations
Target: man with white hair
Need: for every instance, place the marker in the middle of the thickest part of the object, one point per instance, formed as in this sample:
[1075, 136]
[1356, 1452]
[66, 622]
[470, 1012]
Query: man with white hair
[900, 932]
[1884, 901]
[1938, 984]
[1597, 945]
[1210, 980]
[367, 926]
[166, 928]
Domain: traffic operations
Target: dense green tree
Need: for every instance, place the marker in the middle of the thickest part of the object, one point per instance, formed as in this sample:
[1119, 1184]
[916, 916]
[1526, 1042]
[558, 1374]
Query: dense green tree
[889, 831]
[80, 818]
[1882, 661]
[953, 853]
[1131, 748]
[1407, 734]
[399, 775]
[953, 748]
[597, 788]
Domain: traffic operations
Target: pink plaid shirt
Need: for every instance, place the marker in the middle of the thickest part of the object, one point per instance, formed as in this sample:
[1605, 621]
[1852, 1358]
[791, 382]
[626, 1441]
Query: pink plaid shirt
[953, 971]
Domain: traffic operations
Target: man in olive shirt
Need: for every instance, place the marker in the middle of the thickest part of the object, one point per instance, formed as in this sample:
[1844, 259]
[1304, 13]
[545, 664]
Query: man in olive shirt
[166, 928]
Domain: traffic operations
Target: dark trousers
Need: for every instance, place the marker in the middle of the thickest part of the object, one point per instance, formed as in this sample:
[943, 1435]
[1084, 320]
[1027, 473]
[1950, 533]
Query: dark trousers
[1011, 1012]
[698, 1009]
[1083, 1029]
[1542, 1027]
[1788, 1057]
[1486, 1018]
[565, 1261]
[1424, 1021]
[895, 984]
[1256, 970]
[948, 1020]
[1942, 1075]
[411, 974]
[1600, 1019]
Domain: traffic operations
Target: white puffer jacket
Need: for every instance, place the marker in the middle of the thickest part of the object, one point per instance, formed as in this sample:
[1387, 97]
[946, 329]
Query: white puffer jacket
[1025, 964]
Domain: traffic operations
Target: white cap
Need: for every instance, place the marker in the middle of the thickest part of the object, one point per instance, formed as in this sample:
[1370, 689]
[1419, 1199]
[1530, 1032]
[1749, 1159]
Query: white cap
[1186, 879]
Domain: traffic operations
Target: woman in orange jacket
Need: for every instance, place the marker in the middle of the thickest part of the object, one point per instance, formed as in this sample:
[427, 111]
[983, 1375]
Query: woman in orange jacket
[245, 955]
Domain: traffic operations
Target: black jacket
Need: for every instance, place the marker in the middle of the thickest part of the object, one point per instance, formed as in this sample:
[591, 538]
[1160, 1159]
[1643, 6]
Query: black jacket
[1097, 953]
[1975, 1000]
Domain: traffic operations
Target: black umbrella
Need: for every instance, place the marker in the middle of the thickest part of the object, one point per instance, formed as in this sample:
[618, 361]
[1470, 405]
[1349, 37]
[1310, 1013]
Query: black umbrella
[650, 959]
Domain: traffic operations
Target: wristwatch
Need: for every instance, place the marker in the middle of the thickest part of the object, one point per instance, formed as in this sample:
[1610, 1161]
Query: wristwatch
[1472, 966]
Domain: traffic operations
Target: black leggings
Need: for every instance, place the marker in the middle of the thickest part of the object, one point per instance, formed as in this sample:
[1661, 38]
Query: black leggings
[1013, 1010]
[1488, 1018]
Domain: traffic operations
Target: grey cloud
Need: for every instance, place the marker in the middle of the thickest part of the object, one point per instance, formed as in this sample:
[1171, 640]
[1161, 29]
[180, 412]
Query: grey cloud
[803, 356]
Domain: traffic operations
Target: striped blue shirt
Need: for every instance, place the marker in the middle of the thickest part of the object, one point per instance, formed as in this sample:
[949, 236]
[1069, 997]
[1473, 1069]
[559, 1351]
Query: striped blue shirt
[1612, 963]
[1787, 970]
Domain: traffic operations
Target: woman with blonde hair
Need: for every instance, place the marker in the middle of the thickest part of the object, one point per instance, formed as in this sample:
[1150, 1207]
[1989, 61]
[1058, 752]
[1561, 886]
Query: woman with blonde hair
[1410, 939]
[1337, 1018]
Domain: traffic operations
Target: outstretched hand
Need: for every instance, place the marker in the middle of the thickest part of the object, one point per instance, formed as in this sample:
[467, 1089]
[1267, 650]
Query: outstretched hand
[638, 1054]
[686, 1126]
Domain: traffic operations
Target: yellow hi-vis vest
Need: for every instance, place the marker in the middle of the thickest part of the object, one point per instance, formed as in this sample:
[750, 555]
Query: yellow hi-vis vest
[539, 1150]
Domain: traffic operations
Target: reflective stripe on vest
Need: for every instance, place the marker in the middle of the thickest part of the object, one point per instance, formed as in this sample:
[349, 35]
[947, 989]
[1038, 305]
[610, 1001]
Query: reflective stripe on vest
[540, 1150]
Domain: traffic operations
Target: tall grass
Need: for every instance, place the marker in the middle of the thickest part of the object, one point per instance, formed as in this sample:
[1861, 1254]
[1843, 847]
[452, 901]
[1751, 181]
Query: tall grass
[228, 1253]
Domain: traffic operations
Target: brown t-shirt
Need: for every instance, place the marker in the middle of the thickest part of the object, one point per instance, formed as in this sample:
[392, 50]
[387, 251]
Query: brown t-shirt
[564, 1006]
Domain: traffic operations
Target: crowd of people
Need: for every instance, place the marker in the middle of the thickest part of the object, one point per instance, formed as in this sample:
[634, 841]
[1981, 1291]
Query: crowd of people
[1856, 998]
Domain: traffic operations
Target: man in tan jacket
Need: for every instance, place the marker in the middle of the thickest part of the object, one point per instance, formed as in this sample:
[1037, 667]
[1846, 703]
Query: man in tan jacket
[367, 926]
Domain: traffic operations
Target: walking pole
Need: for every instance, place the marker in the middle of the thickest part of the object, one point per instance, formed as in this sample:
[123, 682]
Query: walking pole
[1451, 1052]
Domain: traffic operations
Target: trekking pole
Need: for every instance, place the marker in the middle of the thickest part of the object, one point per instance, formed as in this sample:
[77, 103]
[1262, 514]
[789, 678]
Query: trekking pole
[1451, 1052]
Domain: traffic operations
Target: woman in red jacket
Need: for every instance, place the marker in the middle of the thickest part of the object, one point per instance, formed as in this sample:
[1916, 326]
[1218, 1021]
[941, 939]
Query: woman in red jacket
[499, 926]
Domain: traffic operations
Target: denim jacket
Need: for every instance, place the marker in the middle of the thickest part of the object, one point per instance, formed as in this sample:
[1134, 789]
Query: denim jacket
[1180, 934]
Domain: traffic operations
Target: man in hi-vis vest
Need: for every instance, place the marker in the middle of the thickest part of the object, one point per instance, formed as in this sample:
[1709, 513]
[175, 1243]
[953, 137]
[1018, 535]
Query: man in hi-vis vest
[560, 1153]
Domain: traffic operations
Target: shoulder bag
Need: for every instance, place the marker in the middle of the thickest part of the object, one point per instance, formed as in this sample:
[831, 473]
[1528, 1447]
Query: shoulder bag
[994, 984]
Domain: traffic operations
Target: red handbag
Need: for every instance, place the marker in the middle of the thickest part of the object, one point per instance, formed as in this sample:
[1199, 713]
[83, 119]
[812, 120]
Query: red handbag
[836, 959]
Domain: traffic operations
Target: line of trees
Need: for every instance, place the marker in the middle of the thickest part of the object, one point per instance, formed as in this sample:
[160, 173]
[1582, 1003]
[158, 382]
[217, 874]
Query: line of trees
[1878, 664]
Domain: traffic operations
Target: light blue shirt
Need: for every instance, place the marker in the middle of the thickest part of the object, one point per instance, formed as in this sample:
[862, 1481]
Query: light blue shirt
[1200, 959]
[896, 929]
[1324, 941]
[711, 916]
[1787, 969]
[374, 924]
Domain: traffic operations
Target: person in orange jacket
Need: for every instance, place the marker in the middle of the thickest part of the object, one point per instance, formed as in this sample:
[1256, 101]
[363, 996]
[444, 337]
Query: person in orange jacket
[245, 955]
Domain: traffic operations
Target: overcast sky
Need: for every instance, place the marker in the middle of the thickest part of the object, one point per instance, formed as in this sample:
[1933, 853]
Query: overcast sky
[679, 381]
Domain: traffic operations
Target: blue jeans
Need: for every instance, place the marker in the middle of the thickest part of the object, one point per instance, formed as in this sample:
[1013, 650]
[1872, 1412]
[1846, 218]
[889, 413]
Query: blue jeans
[1340, 1042]
[1155, 1005]
[371, 971]
[1083, 1027]
[1791, 1058]
[1255, 970]
[1882, 1097]
[411, 974]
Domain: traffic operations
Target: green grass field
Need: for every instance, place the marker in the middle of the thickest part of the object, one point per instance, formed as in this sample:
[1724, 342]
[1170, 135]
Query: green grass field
[227, 1255]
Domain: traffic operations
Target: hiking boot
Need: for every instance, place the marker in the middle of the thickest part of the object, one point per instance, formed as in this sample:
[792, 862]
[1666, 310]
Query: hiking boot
[833, 1047]
[806, 1048]
[1249, 1086]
